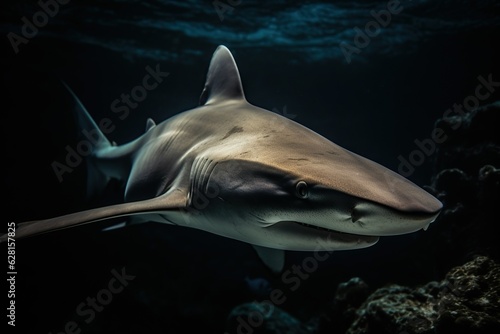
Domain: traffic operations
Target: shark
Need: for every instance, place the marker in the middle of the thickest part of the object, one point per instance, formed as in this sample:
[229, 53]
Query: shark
[239, 171]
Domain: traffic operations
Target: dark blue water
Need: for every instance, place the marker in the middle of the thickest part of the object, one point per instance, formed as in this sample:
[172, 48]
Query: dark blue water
[375, 91]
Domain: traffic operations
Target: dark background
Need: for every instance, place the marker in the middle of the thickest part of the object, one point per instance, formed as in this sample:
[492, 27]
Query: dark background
[427, 59]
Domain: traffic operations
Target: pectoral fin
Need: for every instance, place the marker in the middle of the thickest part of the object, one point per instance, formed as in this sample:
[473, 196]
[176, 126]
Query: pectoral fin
[274, 259]
[175, 199]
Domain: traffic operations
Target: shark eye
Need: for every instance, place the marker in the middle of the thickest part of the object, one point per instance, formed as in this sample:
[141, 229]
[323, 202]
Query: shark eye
[301, 189]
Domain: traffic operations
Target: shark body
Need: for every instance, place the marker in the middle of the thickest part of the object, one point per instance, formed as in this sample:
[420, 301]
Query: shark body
[242, 172]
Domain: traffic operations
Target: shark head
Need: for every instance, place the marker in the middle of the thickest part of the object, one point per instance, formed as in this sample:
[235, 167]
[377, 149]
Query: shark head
[284, 186]
[298, 191]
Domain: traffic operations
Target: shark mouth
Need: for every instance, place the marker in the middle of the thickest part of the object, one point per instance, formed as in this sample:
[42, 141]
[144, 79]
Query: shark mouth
[319, 228]
[307, 237]
[424, 227]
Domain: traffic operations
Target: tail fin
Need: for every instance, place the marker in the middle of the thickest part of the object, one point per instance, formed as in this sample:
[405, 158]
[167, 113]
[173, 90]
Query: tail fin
[89, 131]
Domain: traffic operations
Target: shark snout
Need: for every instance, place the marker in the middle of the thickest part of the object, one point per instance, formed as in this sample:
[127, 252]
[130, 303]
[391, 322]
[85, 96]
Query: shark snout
[373, 219]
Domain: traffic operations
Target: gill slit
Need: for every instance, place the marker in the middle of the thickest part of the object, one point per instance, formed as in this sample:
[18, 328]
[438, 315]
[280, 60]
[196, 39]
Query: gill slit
[200, 174]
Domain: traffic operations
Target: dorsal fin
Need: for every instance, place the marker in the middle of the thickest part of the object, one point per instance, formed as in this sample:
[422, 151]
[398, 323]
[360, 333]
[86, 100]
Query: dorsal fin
[223, 79]
[150, 124]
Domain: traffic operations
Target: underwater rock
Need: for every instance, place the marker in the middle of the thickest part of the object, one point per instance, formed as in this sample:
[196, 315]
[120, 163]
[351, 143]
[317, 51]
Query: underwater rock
[468, 183]
[470, 298]
[339, 315]
[351, 293]
[466, 301]
[348, 297]
[263, 318]
[394, 309]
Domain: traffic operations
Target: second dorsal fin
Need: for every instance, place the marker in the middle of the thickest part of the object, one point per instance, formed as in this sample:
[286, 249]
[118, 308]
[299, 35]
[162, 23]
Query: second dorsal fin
[150, 124]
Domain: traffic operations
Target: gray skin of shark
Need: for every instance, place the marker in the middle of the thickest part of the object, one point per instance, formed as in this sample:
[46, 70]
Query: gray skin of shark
[242, 172]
